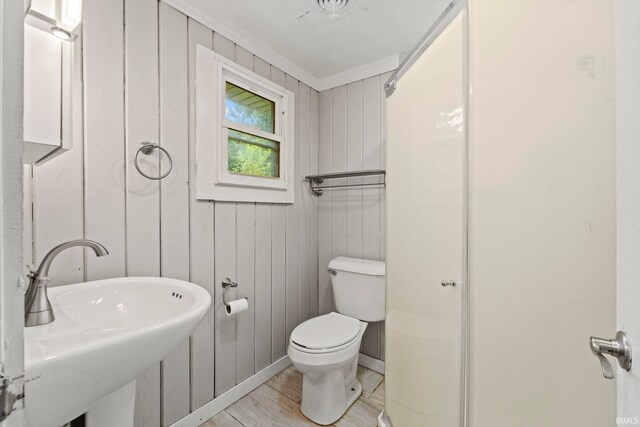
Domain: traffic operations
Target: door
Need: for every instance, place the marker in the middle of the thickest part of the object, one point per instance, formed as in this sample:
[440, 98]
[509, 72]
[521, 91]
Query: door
[628, 194]
[11, 300]
[426, 236]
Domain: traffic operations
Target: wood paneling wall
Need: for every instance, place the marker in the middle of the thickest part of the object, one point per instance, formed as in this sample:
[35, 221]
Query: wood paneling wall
[351, 221]
[139, 85]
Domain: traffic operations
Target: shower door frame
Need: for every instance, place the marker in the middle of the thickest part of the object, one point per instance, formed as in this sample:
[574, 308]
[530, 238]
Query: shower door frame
[455, 8]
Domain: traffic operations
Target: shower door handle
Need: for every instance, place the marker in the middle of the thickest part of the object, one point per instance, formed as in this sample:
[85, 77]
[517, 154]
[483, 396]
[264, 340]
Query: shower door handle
[620, 348]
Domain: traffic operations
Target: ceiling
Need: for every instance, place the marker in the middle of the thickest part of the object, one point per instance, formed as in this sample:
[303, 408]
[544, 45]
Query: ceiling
[367, 31]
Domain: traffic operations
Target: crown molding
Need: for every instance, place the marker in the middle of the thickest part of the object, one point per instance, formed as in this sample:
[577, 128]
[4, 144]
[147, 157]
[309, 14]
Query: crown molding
[275, 58]
[361, 72]
[247, 41]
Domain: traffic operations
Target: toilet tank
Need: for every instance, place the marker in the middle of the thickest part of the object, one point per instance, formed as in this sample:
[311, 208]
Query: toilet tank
[358, 288]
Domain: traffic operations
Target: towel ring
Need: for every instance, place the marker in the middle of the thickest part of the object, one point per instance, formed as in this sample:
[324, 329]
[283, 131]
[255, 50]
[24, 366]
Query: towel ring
[147, 148]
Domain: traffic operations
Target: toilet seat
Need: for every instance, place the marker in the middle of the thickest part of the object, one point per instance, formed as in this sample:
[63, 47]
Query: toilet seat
[327, 333]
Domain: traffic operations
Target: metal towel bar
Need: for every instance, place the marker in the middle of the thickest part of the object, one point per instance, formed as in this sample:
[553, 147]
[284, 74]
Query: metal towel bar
[314, 180]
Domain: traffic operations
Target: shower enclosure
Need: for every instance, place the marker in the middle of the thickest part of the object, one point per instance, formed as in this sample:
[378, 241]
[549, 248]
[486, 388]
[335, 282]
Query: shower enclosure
[501, 218]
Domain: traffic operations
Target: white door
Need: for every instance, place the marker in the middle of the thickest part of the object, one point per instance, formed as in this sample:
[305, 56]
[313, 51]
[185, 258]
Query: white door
[11, 301]
[628, 194]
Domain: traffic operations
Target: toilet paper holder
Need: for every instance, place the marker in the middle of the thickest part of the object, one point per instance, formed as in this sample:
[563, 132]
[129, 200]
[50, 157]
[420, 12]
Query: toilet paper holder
[226, 285]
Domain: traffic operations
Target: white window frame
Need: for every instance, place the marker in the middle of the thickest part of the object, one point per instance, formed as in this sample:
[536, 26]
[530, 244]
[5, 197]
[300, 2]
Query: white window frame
[213, 179]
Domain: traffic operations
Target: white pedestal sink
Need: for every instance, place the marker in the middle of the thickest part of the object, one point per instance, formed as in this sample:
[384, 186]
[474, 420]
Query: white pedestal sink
[106, 333]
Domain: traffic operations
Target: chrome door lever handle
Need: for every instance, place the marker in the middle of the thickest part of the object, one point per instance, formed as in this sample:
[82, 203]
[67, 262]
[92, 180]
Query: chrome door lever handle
[448, 283]
[620, 348]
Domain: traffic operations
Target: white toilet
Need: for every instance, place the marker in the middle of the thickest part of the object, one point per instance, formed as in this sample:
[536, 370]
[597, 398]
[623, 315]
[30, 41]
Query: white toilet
[325, 349]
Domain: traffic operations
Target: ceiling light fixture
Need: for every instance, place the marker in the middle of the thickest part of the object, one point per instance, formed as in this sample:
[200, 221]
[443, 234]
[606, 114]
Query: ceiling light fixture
[334, 6]
[60, 33]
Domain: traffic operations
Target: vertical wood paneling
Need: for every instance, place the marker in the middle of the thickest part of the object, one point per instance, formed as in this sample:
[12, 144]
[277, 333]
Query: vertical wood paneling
[313, 207]
[278, 282]
[140, 86]
[292, 249]
[225, 326]
[278, 265]
[325, 215]
[245, 326]
[351, 222]
[243, 57]
[202, 242]
[174, 137]
[27, 214]
[174, 194]
[225, 259]
[104, 135]
[303, 196]
[339, 164]
[141, 124]
[224, 46]
[354, 163]
[58, 214]
[371, 159]
[245, 322]
[262, 300]
[142, 195]
[371, 195]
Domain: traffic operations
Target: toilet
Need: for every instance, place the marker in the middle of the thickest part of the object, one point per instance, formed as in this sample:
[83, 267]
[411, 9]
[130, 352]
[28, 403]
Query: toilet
[325, 349]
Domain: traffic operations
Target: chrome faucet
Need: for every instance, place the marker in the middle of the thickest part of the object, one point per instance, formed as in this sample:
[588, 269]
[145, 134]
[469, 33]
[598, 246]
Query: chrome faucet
[37, 308]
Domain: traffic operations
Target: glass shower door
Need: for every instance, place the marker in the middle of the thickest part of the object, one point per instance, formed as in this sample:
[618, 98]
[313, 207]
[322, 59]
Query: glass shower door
[426, 262]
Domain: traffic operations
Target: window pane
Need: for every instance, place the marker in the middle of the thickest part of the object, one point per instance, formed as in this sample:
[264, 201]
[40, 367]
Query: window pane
[247, 108]
[252, 155]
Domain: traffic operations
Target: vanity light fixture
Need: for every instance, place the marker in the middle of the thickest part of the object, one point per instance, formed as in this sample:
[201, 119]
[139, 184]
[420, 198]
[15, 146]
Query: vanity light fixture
[60, 33]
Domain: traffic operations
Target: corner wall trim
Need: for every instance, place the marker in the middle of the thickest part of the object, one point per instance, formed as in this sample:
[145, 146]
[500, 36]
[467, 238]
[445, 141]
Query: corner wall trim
[371, 363]
[228, 398]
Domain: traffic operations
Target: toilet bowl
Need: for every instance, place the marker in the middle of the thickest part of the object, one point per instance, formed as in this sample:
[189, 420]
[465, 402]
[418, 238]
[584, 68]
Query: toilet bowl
[328, 365]
[325, 349]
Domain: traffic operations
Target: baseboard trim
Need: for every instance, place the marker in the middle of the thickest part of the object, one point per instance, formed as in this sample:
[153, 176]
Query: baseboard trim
[371, 363]
[228, 398]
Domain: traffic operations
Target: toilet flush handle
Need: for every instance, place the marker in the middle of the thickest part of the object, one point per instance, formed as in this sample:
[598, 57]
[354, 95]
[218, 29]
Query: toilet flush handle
[332, 272]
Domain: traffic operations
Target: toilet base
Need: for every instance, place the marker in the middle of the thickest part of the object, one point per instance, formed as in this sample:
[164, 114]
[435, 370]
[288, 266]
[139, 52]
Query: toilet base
[353, 393]
[327, 408]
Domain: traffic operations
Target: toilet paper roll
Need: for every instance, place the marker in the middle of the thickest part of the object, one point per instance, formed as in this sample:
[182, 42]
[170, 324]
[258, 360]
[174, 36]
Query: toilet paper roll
[237, 306]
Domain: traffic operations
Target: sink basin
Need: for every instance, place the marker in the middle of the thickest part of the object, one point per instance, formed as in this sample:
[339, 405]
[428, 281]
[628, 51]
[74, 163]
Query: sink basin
[106, 333]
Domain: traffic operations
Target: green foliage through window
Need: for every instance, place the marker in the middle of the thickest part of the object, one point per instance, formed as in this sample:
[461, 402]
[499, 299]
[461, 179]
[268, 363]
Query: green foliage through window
[252, 155]
[249, 154]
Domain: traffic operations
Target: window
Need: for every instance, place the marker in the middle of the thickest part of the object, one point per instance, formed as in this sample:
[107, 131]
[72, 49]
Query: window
[244, 134]
[250, 154]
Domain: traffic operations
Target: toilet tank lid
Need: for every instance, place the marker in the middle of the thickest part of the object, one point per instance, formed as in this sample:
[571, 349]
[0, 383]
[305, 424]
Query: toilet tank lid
[356, 265]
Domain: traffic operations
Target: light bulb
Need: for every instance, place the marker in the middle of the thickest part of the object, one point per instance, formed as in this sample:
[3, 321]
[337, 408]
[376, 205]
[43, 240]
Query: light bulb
[60, 33]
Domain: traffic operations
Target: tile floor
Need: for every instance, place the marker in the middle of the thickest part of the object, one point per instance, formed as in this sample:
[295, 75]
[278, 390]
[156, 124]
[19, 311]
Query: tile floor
[277, 403]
